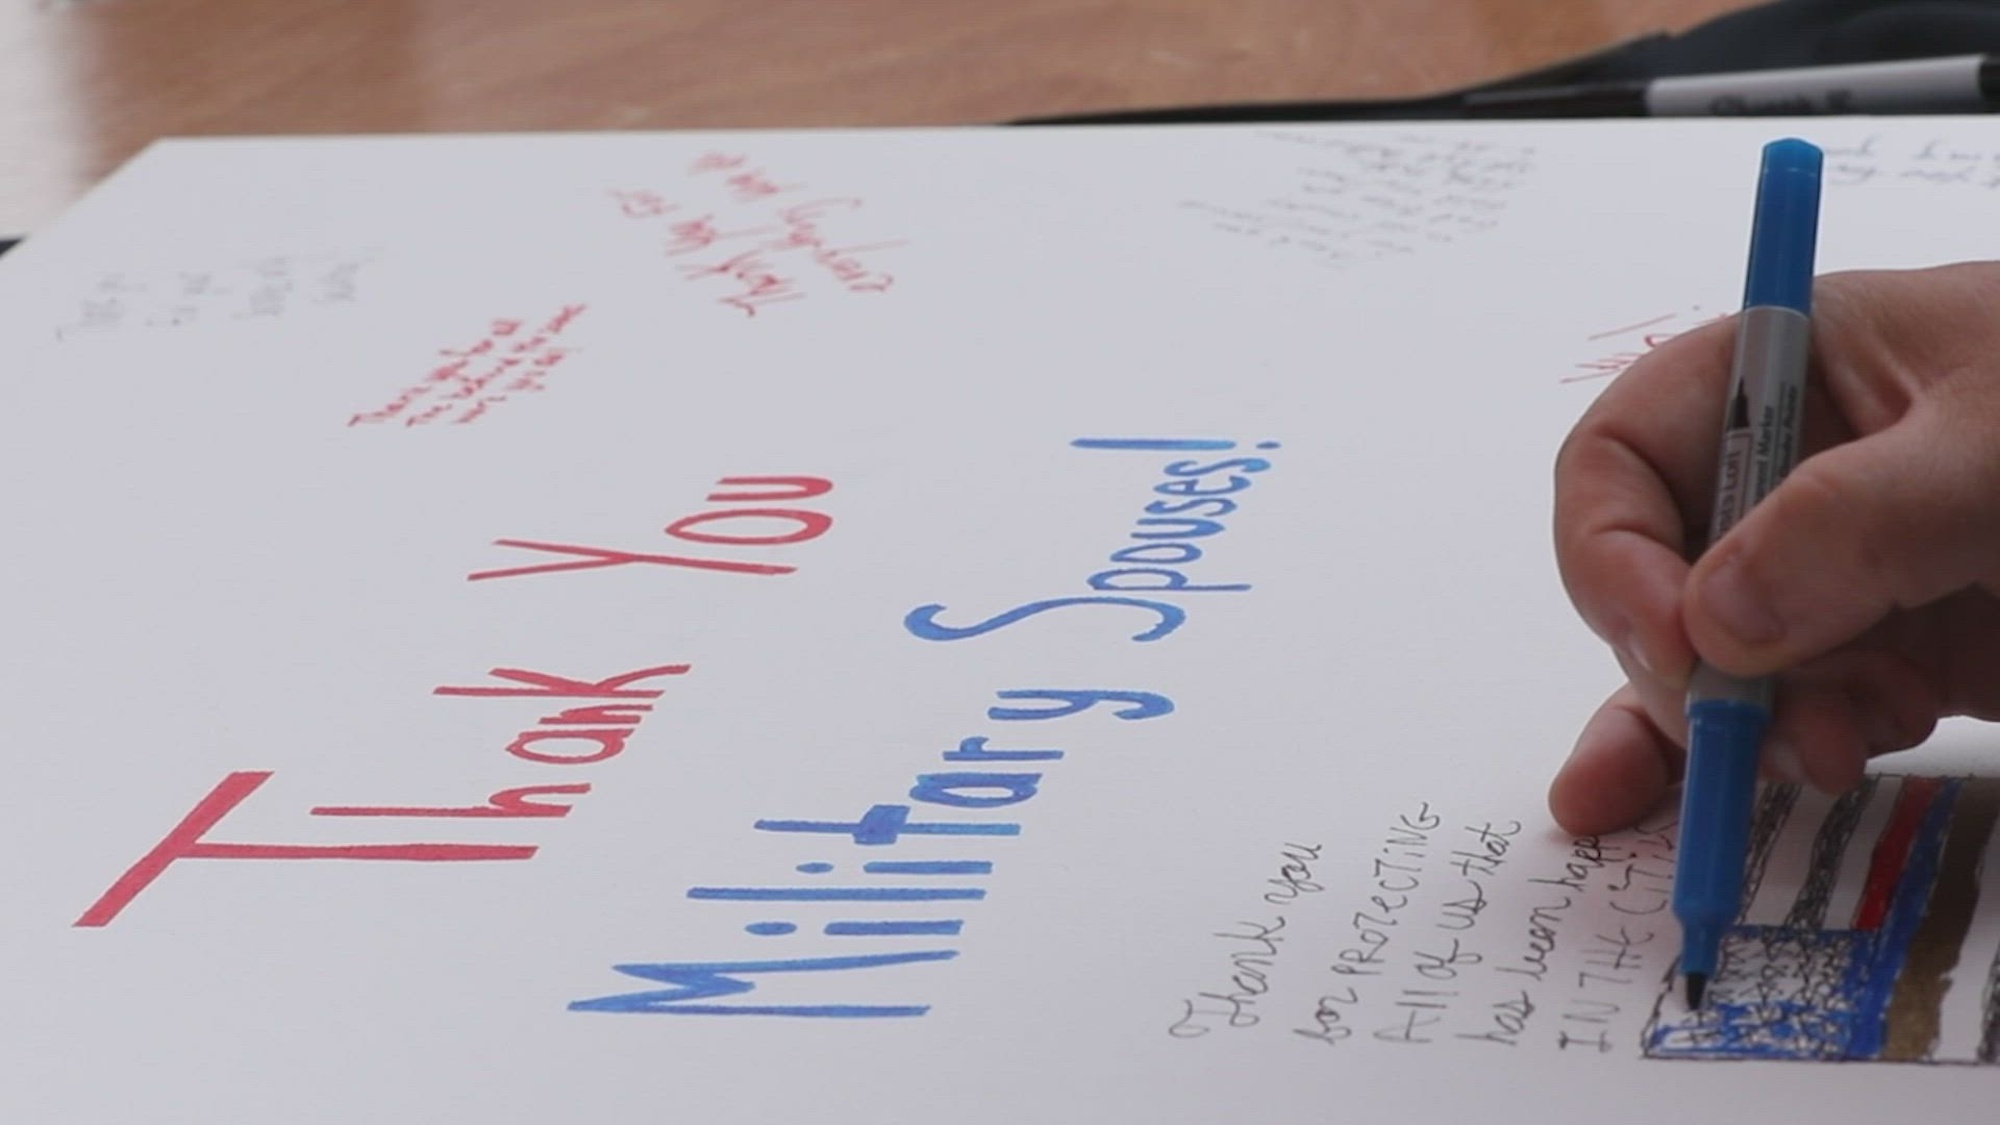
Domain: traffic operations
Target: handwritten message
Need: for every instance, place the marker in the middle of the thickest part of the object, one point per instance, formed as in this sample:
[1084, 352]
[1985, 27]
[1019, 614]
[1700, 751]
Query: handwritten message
[754, 239]
[264, 289]
[1250, 949]
[1451, 928]
[1937, 160]
[512, 358]
[1352, 200]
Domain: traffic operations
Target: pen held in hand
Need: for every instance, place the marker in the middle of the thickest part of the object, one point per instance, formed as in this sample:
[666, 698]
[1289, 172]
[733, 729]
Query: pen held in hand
[1727, 715]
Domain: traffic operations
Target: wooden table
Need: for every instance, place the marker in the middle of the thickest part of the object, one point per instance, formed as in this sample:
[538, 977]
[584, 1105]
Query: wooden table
[87, 83]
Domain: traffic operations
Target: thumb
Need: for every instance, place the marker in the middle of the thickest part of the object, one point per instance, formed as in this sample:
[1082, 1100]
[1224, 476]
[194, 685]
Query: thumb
[1894, 520]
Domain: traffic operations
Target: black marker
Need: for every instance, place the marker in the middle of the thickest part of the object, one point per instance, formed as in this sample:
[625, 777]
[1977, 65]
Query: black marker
[1958, 84]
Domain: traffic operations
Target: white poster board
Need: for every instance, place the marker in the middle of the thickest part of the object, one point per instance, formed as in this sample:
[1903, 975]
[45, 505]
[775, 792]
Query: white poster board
[982, 626]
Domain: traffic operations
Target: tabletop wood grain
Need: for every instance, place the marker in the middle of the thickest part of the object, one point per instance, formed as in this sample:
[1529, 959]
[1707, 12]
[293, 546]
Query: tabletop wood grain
[85, 84]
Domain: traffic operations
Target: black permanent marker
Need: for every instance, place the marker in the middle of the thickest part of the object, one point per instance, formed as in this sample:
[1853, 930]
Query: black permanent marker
[1959, 84]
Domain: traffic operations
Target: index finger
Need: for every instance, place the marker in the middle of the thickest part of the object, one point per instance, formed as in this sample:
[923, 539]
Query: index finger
[1632, 486]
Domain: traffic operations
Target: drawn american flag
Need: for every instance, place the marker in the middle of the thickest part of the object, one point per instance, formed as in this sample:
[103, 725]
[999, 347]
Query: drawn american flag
[1870, 930]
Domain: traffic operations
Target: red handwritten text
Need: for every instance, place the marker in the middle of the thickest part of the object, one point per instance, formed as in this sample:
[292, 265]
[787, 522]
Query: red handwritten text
[1636, 340]
[792, 525]
[756, 237]
[512, 358]
[570, 736]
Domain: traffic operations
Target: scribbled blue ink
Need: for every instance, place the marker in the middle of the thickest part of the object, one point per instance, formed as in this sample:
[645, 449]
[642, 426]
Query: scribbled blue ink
[1906, 911]
[771, 929]
[1812, 1018]
[1837, 984]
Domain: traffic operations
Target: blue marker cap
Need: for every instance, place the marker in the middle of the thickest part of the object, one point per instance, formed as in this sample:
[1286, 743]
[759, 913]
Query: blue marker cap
[1782, 233]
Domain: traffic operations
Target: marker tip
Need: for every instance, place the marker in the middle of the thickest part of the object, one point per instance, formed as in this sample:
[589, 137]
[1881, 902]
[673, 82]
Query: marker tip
[1697, 985]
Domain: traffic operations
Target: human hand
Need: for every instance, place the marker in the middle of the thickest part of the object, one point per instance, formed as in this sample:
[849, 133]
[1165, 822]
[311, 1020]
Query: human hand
[1869, 580]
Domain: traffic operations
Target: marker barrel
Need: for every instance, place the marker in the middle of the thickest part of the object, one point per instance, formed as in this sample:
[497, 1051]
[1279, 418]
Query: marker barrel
[1716, 801]
[1764, 411]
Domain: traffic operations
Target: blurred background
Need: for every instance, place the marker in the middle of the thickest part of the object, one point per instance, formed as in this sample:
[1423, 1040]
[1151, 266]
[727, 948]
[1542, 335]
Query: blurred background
[85, 84]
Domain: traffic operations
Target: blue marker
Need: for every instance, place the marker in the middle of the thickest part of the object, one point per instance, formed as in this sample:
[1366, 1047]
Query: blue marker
[1760, 442]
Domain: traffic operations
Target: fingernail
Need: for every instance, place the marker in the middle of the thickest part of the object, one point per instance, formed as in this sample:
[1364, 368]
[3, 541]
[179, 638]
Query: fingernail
[1734, 600]
[1781, 760]
[1625, 644]
[1635, 647]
